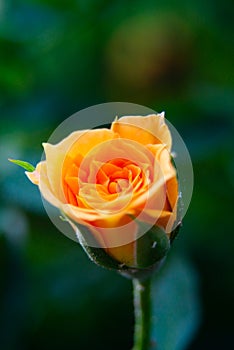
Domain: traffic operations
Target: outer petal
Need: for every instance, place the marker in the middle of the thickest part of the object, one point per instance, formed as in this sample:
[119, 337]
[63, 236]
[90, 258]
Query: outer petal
[39, 177]
[114, 233]
[45, 187]
[77, 143]
[112, 240]
[145, 130]
[120, 239]
[34, 176]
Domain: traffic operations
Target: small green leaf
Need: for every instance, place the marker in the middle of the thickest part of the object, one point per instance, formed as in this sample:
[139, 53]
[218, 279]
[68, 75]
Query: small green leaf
[27, 166]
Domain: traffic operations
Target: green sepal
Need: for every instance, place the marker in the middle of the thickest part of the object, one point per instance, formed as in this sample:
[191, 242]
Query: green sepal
[27, 166]
[91, 246]
[98, 255]
[175, 233]
[151, 250]
[151, 247]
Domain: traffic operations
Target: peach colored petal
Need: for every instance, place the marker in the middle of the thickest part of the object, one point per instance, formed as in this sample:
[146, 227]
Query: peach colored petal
[90, 139]
[118, 241]
[55, 156]
[45, 187]
[77, 143]
[105, 203]
[118, 148]
[120, 237]
[124, 254]
[165, 163]
[98, 178]
[145, 130]
[34, 176]
[172, 192]
[72, 183]
[83, 214]
[164, 168]
[155, 196]
[163, 157]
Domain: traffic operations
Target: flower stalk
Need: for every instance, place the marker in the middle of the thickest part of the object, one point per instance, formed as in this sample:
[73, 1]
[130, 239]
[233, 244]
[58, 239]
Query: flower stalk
[142, 309]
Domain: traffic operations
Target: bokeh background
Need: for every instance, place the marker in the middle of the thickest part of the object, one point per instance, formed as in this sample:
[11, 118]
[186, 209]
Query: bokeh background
[57, 57]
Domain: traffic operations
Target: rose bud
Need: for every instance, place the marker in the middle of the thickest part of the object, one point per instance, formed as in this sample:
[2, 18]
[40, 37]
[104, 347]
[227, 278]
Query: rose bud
[118, 189]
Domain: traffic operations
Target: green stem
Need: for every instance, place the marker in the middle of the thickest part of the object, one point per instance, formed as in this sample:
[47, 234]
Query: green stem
[142, 308]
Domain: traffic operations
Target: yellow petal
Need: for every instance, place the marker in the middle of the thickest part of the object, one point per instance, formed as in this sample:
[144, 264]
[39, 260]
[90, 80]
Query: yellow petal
[79, 143]
[45, 187]
[34, 176]
[145, 130]
[125, 254]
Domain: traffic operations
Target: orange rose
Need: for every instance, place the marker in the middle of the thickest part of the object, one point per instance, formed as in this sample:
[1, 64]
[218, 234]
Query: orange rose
[115, 182]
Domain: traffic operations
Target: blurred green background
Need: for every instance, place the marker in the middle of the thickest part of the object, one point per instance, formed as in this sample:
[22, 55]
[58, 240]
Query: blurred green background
[57, 57]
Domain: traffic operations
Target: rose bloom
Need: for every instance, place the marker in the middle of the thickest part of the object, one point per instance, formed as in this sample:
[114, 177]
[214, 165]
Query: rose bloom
[112, 180]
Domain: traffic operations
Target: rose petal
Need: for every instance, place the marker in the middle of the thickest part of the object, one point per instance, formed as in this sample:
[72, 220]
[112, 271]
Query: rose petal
[145, 130]
[34, 176]
[79, 142]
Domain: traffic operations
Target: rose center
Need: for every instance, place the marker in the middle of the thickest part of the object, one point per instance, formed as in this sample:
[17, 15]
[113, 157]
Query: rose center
[119, 175]
[118, 186]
